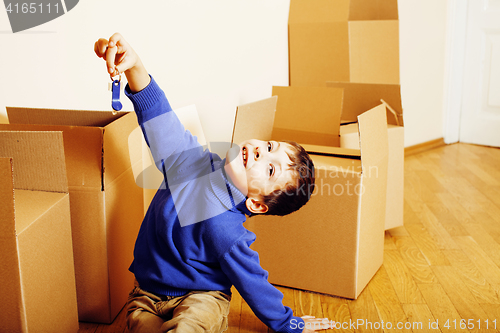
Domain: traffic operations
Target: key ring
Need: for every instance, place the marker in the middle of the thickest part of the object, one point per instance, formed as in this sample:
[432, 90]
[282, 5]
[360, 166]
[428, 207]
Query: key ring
[119, 77]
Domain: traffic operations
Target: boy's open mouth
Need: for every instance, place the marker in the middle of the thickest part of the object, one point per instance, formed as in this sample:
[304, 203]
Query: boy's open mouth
[244, 154]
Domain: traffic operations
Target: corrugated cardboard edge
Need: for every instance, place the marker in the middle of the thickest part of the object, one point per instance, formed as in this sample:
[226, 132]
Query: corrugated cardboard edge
[65, 117]
[374, 153]
[260, 114]
[359, 97]
[38, 158]
[12, 312]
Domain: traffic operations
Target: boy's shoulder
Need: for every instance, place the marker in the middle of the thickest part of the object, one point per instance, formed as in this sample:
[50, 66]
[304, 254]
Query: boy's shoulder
[225, 230]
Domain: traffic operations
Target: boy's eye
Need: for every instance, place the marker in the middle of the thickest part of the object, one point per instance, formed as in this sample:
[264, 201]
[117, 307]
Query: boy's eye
[269, 146]
[271, 170]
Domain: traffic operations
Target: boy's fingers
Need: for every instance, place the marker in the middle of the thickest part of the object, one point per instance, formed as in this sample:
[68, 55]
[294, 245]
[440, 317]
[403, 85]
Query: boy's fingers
[100, 47]
[110, 58]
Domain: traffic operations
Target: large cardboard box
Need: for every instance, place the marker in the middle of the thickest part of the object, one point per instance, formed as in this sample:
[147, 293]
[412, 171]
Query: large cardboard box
[359, 97]
[334, 244]
[106, 204]
[343, 40]
[36, 255]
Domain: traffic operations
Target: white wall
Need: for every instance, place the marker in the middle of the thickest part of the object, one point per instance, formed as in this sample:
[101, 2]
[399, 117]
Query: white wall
[215, 54]
[422, 27]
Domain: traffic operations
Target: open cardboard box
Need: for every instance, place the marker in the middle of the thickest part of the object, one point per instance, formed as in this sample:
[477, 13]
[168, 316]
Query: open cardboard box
[359, 97]
[343, 40]
[334, 244]
[354, 45]
[37, 274]
[106, 204]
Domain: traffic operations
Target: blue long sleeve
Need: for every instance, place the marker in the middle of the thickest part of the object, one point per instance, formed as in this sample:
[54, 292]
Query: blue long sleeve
[192, 237]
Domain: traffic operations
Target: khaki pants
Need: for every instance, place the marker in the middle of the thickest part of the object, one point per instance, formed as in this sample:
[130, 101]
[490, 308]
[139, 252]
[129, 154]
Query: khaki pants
[194, 312]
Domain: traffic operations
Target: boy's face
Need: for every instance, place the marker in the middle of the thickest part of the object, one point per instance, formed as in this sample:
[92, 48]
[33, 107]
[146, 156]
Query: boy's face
[257, 167]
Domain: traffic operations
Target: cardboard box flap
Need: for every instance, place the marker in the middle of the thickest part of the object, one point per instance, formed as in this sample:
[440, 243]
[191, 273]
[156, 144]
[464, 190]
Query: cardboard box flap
[307, 11]
[18, 115]
[83, 150]
[116, 158]
[309, 115]
[373, 139]
[7, 216]
[254, 120]
[359, 97]
[9, 258]
[332, 151]
[373, 10]
[374, 51]
[38, 160]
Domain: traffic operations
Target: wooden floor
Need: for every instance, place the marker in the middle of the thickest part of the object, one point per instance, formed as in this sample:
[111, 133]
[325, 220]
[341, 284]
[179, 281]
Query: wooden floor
[442, 267]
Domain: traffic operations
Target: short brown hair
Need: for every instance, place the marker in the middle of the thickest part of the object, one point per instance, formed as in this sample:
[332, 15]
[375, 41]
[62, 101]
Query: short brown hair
[293, 196]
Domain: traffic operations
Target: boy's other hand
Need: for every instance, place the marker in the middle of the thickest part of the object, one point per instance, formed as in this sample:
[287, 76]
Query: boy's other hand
[313, 324]
[120, 57]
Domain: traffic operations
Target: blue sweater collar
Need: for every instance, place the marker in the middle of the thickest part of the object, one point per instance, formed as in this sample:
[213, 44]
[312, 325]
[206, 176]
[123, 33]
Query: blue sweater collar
[225, 191]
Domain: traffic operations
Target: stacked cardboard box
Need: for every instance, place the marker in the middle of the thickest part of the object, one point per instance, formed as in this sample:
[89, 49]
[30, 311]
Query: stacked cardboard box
[106, 204]
[37, 273]
[354, 45]
[334, 244]
[344, 60]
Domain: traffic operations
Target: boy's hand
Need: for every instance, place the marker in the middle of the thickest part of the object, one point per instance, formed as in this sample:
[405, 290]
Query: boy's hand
[120, 57]
[313, 324]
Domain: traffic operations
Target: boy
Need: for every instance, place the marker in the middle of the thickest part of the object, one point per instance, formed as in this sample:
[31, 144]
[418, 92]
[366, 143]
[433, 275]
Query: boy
[192, 246]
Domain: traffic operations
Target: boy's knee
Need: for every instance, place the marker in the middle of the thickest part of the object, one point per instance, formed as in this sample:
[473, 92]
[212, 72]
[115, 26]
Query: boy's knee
[139, 321]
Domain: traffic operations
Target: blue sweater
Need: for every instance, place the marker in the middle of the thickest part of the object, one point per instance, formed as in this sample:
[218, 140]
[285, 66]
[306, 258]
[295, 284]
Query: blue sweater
[192, 237]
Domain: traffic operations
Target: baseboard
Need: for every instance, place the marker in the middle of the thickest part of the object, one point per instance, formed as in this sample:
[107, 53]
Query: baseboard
[412, 150]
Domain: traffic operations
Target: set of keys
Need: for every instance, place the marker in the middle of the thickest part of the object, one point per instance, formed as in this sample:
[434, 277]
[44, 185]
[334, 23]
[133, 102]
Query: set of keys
[114, 87]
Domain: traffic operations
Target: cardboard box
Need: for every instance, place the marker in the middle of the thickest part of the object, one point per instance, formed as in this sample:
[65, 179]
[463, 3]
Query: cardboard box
[106, 204]
[37, 274]
[343, 40]
[360, 97]
[334, 244]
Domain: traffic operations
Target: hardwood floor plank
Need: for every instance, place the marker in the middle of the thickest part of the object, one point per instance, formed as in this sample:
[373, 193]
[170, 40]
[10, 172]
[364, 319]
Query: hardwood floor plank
[426, 244]
[364, 310]
[489, 245]
[441, 307]
[249, 323]
[401, 278]
[493, 312]
[461, 297]
[415, 260]
[308, 304]
[386, 300]
[482, 290]
[337, 309]
[482, 261]
[420, 318]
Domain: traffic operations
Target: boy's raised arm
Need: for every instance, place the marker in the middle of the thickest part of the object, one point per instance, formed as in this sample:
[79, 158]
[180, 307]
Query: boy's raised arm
[120, 57]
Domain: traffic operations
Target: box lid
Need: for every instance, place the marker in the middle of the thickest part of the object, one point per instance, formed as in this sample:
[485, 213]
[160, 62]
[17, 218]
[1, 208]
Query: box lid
[307, 11]
[308, 115]
[38, 159]
[373, 139]
[359, 97]
[19, 115]
[254, 120]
